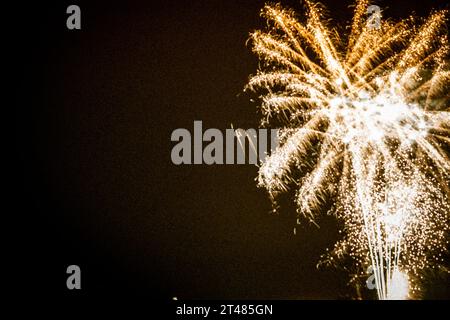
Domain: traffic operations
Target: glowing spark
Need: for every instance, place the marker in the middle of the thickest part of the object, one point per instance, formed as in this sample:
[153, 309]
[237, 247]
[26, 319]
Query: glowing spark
[398, 286]
[367, 127]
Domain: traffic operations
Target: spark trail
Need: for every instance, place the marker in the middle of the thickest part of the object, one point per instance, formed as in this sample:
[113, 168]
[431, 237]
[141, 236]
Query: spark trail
[364, 124]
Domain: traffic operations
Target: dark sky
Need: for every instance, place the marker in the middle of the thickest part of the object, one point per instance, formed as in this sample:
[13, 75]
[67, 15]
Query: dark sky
[98, 186]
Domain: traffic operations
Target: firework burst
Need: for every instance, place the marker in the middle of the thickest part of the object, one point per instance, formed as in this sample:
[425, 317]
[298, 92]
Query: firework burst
[364, 124]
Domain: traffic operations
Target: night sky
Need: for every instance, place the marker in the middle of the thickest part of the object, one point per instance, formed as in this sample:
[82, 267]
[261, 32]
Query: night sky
[97, 185]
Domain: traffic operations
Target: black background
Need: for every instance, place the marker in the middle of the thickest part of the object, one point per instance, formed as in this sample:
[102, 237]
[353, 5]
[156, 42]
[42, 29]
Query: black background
[95, 183]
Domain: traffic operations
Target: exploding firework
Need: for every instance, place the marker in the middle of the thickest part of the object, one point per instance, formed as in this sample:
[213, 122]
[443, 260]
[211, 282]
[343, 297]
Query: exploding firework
[364, 124]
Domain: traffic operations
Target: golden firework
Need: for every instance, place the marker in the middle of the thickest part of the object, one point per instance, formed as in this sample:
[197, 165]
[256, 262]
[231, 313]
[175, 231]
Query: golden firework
[364, 122]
